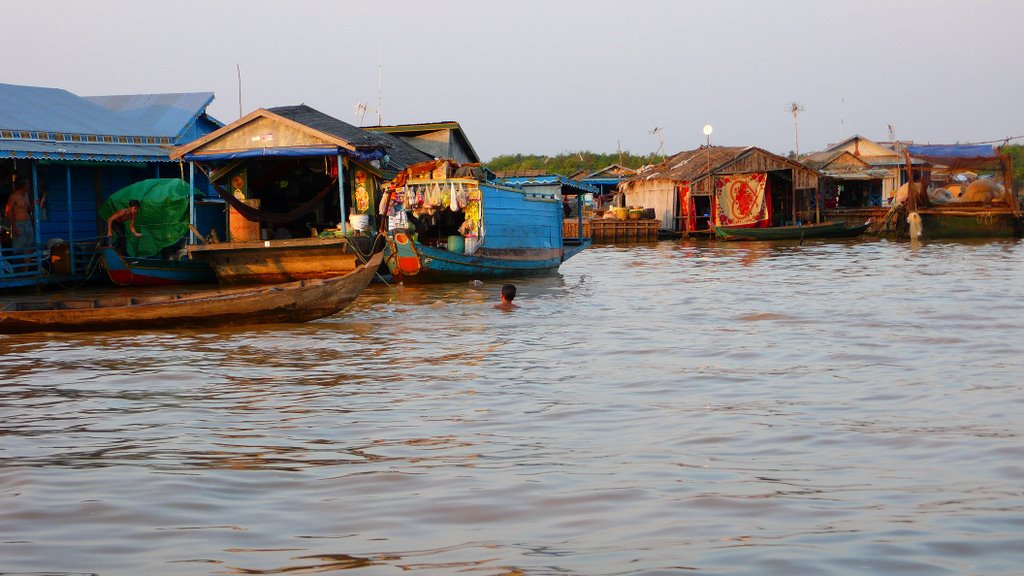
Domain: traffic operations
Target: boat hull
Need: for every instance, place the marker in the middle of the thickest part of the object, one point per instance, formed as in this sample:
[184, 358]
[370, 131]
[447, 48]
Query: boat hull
[415, 263]
[154, 271]
[300, 301]
[938, 223]
[281, 261]
[824, 230]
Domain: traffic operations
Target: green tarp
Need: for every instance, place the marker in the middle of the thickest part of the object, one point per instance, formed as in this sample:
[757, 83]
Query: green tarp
[163, 213]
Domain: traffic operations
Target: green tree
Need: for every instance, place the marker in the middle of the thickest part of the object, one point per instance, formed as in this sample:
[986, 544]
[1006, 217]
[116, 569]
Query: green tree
[1016, 152]
[568, 163]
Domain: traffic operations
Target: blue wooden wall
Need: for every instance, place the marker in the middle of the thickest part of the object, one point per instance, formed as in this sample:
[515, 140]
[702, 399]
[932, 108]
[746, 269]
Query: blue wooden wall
[516, 219]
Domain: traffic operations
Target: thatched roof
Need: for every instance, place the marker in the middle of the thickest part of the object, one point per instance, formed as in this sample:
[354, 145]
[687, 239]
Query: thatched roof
[692, 165]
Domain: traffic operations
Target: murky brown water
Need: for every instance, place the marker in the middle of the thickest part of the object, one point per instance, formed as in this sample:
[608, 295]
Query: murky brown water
[827, 409]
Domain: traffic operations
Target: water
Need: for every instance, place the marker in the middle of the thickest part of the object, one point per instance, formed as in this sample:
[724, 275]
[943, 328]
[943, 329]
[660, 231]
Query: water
[827, 408]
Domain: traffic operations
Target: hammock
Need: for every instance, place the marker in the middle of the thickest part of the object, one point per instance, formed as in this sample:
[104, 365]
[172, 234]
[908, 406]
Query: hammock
[257, 215]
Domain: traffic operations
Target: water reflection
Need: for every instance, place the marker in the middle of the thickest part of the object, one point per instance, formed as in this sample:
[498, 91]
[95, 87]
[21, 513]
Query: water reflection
[826, 408]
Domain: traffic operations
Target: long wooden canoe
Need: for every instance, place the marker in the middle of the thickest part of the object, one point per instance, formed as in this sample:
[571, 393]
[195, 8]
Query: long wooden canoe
[822, 230]
[299, 301]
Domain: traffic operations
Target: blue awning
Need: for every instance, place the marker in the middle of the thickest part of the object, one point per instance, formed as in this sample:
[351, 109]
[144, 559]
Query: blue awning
[264, 152]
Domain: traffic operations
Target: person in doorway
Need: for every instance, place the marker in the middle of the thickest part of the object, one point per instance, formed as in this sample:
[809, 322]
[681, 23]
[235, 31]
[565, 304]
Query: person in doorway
[116, 224]
[508, 294]
[18, 212]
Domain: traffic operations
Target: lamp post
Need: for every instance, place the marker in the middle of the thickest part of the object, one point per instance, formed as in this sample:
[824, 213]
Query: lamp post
[707, 133]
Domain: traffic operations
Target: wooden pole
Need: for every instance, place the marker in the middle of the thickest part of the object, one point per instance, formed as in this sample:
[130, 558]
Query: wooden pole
[911, 197]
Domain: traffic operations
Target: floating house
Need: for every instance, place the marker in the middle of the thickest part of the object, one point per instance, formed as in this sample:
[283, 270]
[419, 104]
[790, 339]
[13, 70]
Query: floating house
[303, 189]
[606, 180]
[724, 185]
[74, 152]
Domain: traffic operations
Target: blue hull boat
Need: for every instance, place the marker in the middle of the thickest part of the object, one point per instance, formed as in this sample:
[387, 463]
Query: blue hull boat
[508, 231]
[154, 271]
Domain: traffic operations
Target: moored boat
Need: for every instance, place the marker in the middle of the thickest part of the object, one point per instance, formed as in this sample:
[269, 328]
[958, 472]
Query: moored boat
[449, 223]
[285, 260]
[127, 271]
[819, 230]
[300, 301]
[152, 259]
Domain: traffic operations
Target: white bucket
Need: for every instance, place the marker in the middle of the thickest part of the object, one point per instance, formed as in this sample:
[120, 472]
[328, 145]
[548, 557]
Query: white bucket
[470, 244]
[359, 221]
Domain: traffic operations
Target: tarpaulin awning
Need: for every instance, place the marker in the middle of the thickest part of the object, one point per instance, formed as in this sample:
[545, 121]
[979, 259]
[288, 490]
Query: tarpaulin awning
[262, 152]
[957, 157]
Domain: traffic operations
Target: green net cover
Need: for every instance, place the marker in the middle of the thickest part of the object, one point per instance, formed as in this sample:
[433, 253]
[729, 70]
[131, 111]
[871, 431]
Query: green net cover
[163, 213]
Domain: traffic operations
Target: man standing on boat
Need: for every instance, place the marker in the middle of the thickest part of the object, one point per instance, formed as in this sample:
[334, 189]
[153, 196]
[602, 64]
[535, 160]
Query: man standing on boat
[116, 223]
[18, 211]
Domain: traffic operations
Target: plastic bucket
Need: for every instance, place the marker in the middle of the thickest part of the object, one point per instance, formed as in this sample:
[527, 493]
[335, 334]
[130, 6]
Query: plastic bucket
[456, 244]
[470, 242]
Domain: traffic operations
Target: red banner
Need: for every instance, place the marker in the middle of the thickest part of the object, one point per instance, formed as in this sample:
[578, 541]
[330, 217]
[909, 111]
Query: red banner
[742, 200]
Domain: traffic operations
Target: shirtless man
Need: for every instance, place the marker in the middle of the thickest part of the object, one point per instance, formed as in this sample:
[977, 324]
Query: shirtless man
[116, 223]
[19, 212]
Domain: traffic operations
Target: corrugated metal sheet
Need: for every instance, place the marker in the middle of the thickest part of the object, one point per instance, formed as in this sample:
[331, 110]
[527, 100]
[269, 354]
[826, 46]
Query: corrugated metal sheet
[167, 115]
[36, 109]
[567, 184]
[39, 150]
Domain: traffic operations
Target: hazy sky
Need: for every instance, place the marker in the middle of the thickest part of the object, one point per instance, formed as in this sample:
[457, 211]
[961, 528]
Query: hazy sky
[551, 76]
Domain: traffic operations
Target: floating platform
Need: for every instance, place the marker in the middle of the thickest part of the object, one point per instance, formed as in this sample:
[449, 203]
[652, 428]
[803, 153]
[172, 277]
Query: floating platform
[608, 230]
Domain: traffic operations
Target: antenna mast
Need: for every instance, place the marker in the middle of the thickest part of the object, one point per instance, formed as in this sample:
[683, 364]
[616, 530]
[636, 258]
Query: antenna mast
[238, 70]
[661, 141]
[796, 108]
[380, 92]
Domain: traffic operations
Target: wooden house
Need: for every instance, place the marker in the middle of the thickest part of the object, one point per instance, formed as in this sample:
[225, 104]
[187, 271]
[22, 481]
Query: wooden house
[271, 162]
[859, 173]
[437, 139]
[75, 152]
[607, 179]
[689, 190]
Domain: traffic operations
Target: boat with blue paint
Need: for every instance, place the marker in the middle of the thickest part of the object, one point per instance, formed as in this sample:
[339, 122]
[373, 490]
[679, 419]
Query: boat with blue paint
[452, 223]
[129, 271]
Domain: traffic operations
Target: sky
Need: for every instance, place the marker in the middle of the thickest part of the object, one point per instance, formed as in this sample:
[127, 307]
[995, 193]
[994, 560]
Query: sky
[553, 76]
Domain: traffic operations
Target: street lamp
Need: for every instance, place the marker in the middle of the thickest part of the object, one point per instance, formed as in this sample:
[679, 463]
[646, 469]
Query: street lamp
[707, 133]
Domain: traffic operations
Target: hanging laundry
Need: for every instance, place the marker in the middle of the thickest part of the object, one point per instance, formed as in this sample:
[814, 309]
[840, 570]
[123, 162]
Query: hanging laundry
[453, 201]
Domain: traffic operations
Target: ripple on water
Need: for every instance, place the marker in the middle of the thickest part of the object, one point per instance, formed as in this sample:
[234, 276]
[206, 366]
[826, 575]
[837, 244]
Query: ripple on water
[682, 407]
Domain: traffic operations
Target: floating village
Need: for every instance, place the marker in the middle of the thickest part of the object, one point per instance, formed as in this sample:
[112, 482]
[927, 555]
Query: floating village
[287, 214]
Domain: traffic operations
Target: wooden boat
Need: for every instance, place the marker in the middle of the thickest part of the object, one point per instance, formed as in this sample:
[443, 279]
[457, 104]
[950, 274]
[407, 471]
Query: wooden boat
[413, 262]
[507, 230]
[820, 230]
[286, 260]
[154, 271]
[293, 302]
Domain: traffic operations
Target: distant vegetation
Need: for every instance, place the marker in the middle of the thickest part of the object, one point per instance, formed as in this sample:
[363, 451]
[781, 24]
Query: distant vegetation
[1016, 152]
[568, 163]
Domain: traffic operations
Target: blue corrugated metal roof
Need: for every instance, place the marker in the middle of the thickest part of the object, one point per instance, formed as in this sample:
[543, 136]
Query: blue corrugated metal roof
[167, 115]
[36, 109]
[39, 150]
[54, 124]
[550, 179]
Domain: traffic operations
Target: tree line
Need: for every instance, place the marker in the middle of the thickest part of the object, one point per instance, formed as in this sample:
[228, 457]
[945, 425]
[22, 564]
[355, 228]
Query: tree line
[568, 163]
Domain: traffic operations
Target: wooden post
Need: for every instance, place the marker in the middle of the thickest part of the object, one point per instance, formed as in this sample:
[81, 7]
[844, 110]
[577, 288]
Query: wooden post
[911, 197]
[71, 221]
[1008, 183]
[191, 203]
[793, 198]
[341, 194]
